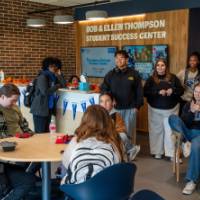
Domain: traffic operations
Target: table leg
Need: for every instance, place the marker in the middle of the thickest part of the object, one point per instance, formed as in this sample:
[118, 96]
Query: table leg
[46, 180]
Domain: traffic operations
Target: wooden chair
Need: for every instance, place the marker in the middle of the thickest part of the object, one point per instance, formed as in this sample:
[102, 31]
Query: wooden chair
[177, 152]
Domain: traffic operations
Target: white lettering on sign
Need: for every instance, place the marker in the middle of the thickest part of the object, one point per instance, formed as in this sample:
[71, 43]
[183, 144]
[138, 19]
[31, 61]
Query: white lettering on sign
[152, 35]
[138, 28]
[144, 25]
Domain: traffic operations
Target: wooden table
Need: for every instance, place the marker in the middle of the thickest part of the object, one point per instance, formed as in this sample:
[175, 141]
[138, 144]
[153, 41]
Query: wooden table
[38, 148]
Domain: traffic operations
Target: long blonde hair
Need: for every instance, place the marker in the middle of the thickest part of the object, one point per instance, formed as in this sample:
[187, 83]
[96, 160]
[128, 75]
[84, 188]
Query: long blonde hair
[96, 122]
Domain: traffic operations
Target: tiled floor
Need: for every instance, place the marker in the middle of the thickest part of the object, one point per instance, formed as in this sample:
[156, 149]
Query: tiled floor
[157, 174]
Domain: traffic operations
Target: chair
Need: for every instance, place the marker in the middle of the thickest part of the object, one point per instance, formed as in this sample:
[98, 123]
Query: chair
[146, 195]
[177, 152]
[115, 182]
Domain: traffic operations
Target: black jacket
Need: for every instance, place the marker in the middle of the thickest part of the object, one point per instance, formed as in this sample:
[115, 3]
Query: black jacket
[126, 87]
[189, 118]
[155, 100]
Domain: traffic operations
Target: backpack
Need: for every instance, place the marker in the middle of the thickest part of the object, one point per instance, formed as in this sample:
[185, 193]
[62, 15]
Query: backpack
[29, 93]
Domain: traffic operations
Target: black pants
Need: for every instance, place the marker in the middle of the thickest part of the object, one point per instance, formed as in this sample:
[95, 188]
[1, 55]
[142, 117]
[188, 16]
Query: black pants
[41, 124]
[20, 182]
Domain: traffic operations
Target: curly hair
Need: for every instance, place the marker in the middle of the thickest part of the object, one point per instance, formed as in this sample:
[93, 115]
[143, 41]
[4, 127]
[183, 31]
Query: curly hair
[96, 122]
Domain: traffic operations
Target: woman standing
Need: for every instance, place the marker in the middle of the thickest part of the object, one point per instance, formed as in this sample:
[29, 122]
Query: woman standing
[189, 77]
[189, 127]
[44, 101]
[162, 90]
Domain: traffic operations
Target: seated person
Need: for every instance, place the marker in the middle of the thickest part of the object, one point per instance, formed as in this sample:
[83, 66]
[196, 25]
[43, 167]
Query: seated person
[11, 122]
[107, 101]
[189, 127]
[74, 79]
[96, 145]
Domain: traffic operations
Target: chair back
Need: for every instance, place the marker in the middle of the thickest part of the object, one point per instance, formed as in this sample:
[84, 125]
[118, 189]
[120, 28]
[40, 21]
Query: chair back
[113, 183]
[146, 195]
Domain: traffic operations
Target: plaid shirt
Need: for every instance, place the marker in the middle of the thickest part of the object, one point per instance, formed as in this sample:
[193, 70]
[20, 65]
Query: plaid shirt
[4, 129]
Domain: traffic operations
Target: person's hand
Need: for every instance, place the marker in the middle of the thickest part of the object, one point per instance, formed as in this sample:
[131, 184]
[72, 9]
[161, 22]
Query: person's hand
[58, 72]
[162, 92]
[169, 92]
[136, 110]
[114, 103]
[194, 107]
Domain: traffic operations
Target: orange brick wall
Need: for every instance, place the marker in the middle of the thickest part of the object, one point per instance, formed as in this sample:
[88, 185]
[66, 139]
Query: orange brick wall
[22, 48]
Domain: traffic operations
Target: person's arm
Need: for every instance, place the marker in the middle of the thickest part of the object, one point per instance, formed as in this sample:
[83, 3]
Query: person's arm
[181, 76]
[43, 85]
[105, 86]
[187, 115]
[138, 92]
[23, 123]
[68, 152]
[177, 88]
[119, 124]
[149, 88]
[61, 79]
[3, 126]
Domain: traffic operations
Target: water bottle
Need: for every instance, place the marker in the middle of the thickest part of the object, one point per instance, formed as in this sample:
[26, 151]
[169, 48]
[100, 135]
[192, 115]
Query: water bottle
[52, 129]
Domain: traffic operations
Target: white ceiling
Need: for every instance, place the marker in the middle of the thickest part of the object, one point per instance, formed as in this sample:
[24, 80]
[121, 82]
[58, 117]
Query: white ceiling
[65, 3]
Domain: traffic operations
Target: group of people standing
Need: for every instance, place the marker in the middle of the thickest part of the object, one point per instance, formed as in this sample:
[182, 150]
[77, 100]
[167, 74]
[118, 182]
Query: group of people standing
[173, 105]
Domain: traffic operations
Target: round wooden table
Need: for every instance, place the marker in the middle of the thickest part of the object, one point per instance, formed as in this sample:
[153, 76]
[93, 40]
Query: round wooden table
[38, 148]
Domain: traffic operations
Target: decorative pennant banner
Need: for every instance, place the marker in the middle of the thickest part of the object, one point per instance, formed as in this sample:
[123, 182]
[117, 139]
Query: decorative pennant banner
[74, 107]
[65, 103]
[91, 100]
[83, 105]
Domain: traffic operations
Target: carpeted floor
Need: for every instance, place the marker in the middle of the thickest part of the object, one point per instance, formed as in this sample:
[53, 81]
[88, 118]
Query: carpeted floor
[157, 175]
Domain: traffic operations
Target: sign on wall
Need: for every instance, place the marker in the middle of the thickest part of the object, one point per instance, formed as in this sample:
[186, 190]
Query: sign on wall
[139, 30]
[143, 57]
[97, 61]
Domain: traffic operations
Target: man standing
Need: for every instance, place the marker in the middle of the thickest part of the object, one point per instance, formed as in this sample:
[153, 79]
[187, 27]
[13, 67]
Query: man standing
[125, 85]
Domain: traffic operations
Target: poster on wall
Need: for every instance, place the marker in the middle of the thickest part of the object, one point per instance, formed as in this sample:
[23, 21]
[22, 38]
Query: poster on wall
[97, 61]
[143, 57]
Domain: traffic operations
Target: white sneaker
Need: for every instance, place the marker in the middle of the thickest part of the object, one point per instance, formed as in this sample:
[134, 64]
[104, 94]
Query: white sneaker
[158, 156]
[132, 153]
[186, 146]
[189, 187]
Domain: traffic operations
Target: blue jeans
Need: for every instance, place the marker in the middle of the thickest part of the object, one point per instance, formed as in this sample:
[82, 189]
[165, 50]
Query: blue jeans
[192, 135]
[20, 182]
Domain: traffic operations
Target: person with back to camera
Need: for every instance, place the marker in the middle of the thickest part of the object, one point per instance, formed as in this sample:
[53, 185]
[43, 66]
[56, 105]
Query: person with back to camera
[189, 77]
[11, 121]
[189, 127]
[162, 90]
[107, 101]
[95, 146]
[44, 101]
[125, 85]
